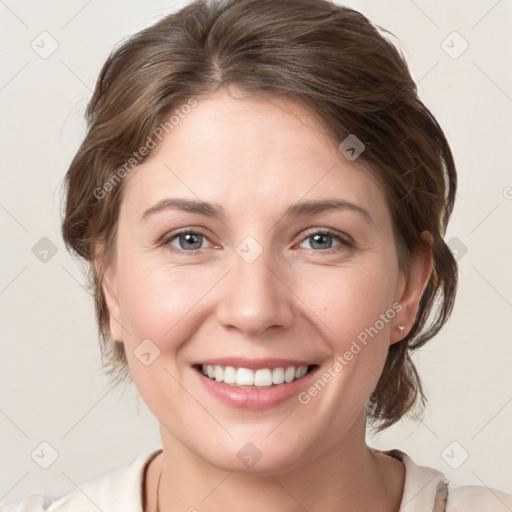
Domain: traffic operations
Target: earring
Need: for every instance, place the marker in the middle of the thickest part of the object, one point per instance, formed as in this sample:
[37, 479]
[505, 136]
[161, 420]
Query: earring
[401, 328]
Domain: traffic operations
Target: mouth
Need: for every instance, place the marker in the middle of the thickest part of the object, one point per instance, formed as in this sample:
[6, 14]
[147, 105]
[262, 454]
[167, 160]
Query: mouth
[261, 378]
[254, 384]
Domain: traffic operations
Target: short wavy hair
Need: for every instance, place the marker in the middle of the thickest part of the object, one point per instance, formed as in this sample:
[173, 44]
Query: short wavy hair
[334, 61]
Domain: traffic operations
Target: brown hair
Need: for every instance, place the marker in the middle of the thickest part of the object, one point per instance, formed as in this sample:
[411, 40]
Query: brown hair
[330, 58]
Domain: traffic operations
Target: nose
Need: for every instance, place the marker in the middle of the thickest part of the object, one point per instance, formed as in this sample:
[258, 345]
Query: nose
[255, 296]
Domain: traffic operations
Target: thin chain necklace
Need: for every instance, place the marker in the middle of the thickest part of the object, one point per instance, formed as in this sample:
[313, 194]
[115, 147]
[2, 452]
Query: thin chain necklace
[158, 489]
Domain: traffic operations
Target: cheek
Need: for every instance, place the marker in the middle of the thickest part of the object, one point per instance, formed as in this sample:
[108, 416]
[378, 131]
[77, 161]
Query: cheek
[354, 310]
[351, 300]
[160, 303]
[355, 314]
[159, 300]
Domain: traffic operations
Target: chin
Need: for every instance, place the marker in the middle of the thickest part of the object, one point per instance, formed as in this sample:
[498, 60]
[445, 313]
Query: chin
[257, 453]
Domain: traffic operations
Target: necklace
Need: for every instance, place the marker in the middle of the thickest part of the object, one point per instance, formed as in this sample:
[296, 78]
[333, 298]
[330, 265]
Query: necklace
[158, 489]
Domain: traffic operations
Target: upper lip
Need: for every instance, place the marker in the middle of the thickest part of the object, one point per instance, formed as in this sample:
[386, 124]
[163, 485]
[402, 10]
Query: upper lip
[254, 364]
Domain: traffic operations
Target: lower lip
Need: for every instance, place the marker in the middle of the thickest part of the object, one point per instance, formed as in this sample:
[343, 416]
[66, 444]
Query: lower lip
[255, 399]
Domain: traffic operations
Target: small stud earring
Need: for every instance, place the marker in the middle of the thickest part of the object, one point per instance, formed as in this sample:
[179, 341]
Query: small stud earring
[401, 328]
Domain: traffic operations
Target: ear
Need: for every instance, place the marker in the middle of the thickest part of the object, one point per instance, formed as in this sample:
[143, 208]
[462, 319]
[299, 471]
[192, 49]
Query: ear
[411, 287]
[109, 287]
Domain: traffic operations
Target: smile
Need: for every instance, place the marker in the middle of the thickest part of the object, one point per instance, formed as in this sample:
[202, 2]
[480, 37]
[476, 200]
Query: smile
[258, 379]
[256, 389]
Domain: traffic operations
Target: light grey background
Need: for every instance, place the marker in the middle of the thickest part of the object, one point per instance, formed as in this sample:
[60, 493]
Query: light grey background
[52, 389]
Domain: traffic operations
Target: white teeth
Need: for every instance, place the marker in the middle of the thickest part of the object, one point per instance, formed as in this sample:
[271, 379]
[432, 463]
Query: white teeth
[264, 377]
[301, 371]
[277, 376]
[289, 374]
[244, 376]
[230, 375]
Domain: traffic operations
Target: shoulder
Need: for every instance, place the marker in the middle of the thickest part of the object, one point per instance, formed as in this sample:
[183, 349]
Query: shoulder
[426, 488]
[478, 498]
[120, 488]
[33, 503]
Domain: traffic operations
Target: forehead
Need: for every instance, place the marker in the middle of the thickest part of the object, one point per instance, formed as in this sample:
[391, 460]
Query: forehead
[250, 152]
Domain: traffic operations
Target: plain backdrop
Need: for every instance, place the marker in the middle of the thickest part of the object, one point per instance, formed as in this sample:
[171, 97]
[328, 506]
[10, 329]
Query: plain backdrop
[52, 389]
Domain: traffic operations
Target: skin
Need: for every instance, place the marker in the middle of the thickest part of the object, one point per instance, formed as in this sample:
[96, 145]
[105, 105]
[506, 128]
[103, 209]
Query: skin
[296, 300]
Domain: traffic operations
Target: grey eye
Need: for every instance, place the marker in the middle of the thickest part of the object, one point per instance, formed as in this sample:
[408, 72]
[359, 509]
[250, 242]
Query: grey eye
[188, 241]
[321, 241]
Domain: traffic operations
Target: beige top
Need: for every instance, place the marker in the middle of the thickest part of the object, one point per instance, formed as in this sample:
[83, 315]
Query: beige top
[120, 490]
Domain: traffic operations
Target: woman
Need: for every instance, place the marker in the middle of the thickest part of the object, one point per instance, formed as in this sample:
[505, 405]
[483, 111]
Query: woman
[262, 198]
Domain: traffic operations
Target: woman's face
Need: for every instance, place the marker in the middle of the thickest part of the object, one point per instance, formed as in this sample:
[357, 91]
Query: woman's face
[268, 277]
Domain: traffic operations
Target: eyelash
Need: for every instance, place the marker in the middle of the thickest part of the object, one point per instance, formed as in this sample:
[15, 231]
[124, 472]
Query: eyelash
[344, 242]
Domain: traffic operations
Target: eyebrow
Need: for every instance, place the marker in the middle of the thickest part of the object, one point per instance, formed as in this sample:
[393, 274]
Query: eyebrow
[294, 210]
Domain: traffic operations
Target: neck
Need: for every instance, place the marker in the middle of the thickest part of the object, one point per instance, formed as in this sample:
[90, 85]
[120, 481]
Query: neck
[349, 476]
